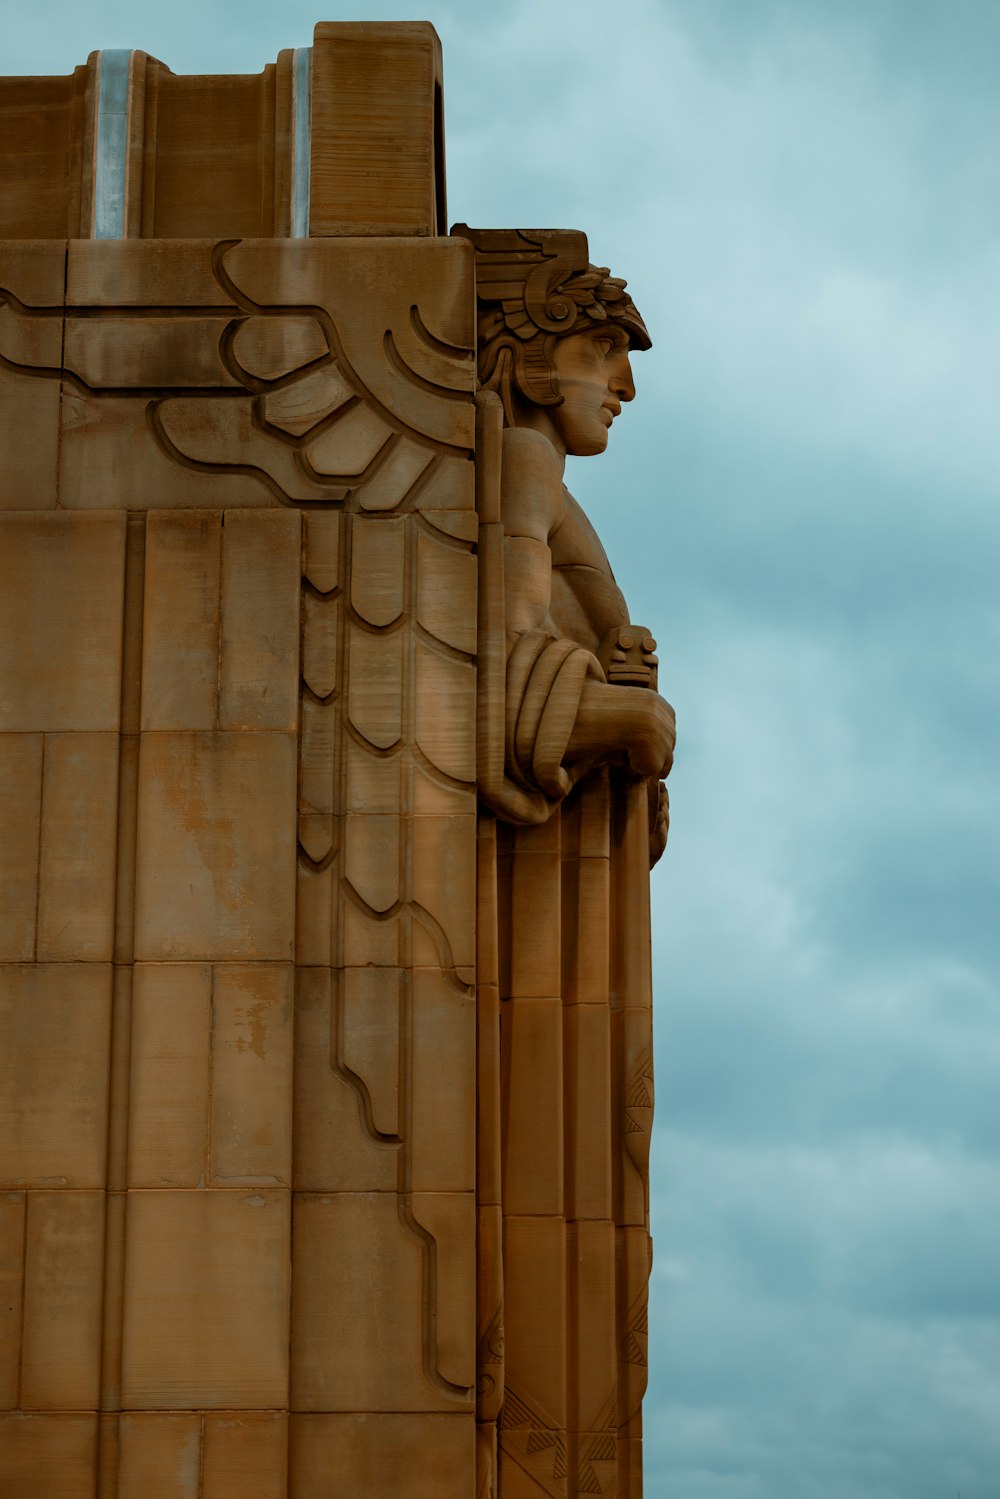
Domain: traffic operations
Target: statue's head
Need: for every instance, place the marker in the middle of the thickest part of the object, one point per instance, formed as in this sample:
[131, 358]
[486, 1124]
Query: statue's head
[554, 333]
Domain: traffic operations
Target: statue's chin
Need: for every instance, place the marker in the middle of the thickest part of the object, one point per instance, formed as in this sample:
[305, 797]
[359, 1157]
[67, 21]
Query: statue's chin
[589, 446]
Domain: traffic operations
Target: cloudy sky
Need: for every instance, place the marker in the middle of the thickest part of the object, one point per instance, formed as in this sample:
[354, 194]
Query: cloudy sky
[805, 198]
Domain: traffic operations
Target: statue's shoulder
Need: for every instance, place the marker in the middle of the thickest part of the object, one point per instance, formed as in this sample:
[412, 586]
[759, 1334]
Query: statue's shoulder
[531, 487]
[531, 454]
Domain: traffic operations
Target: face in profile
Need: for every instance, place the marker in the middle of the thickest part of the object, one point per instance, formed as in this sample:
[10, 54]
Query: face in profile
[595, 377]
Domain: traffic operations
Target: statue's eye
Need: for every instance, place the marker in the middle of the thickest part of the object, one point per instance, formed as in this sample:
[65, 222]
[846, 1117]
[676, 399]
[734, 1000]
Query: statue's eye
[606, 345]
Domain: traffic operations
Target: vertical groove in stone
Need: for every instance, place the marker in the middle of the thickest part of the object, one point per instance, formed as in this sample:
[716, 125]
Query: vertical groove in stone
[111, 152]
[301, 140]
[121, 1012]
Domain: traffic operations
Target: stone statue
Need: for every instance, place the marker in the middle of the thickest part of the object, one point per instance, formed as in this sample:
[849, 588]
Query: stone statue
[581, 815]
[555, 335]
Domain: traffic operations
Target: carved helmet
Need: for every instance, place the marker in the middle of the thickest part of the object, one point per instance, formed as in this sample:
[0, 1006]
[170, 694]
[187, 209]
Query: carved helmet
[532, 287]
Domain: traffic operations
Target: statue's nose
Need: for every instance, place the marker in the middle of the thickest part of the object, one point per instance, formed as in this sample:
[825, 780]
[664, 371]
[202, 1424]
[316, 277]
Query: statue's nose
[621, 381]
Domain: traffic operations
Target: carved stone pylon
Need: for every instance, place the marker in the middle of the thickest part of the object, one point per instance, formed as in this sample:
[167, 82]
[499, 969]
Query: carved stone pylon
[324, 948]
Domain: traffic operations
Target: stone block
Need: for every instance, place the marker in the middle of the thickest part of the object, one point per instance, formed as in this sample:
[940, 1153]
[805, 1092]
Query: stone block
[20, 817]
[536, 926]
[590, 1141]
[373, 781]
[144, 273]
[171, 1062]
[34, 272]
[367, 937]
[250, 1127]
[378, 569]
[268, 348]
[298, 407]
[180, 626]
[372, 858]
[135, 350]
[261, 584]
[399, 471]
[444, 884]
[446, 591]
[375, 686]
[532, 1147]
[445, 712]
[373, 147]
[380, 1456]
[322, 549]
[120, 455]
[351, 445]
[12, 1223]
[216, 862]
[29, 440]
[43, 1455]
[451, 487]
[320, 729]
[535, 1301]
[533, 1461]
[314, 913]
[593, 1327]
[63, 1295]
[359, 1317]
[211, 1075]
[586, 914]
[206, 1300]
[55, 1019]
[369, 1036]
[78, 848]
[589, 813]
[61, 596]
[321, 626]
[335, 1147]
[450, 1220]
[433, 795]
[443, 1084]
[159, 1455]
[245, 1455]
[319, 836]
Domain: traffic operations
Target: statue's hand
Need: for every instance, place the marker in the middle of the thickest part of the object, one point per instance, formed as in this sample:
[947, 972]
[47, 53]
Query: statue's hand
[652, 732]
[626, 726]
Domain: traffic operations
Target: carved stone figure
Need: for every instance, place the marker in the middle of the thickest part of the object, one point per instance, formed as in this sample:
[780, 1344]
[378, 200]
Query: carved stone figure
[573, 741]
[555, 335]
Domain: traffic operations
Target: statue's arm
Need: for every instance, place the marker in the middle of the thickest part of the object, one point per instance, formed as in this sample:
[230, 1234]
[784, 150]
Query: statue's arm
[531, 503]
[630, 726]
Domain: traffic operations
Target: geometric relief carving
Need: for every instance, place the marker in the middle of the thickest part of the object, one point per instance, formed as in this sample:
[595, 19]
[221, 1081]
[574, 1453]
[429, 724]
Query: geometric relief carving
[638, 1120]
[535, 1442]
[399, 1018]
[290, 401]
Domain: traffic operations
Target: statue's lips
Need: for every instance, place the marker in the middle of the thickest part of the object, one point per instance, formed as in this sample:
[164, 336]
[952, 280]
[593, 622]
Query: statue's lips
[611, 412]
